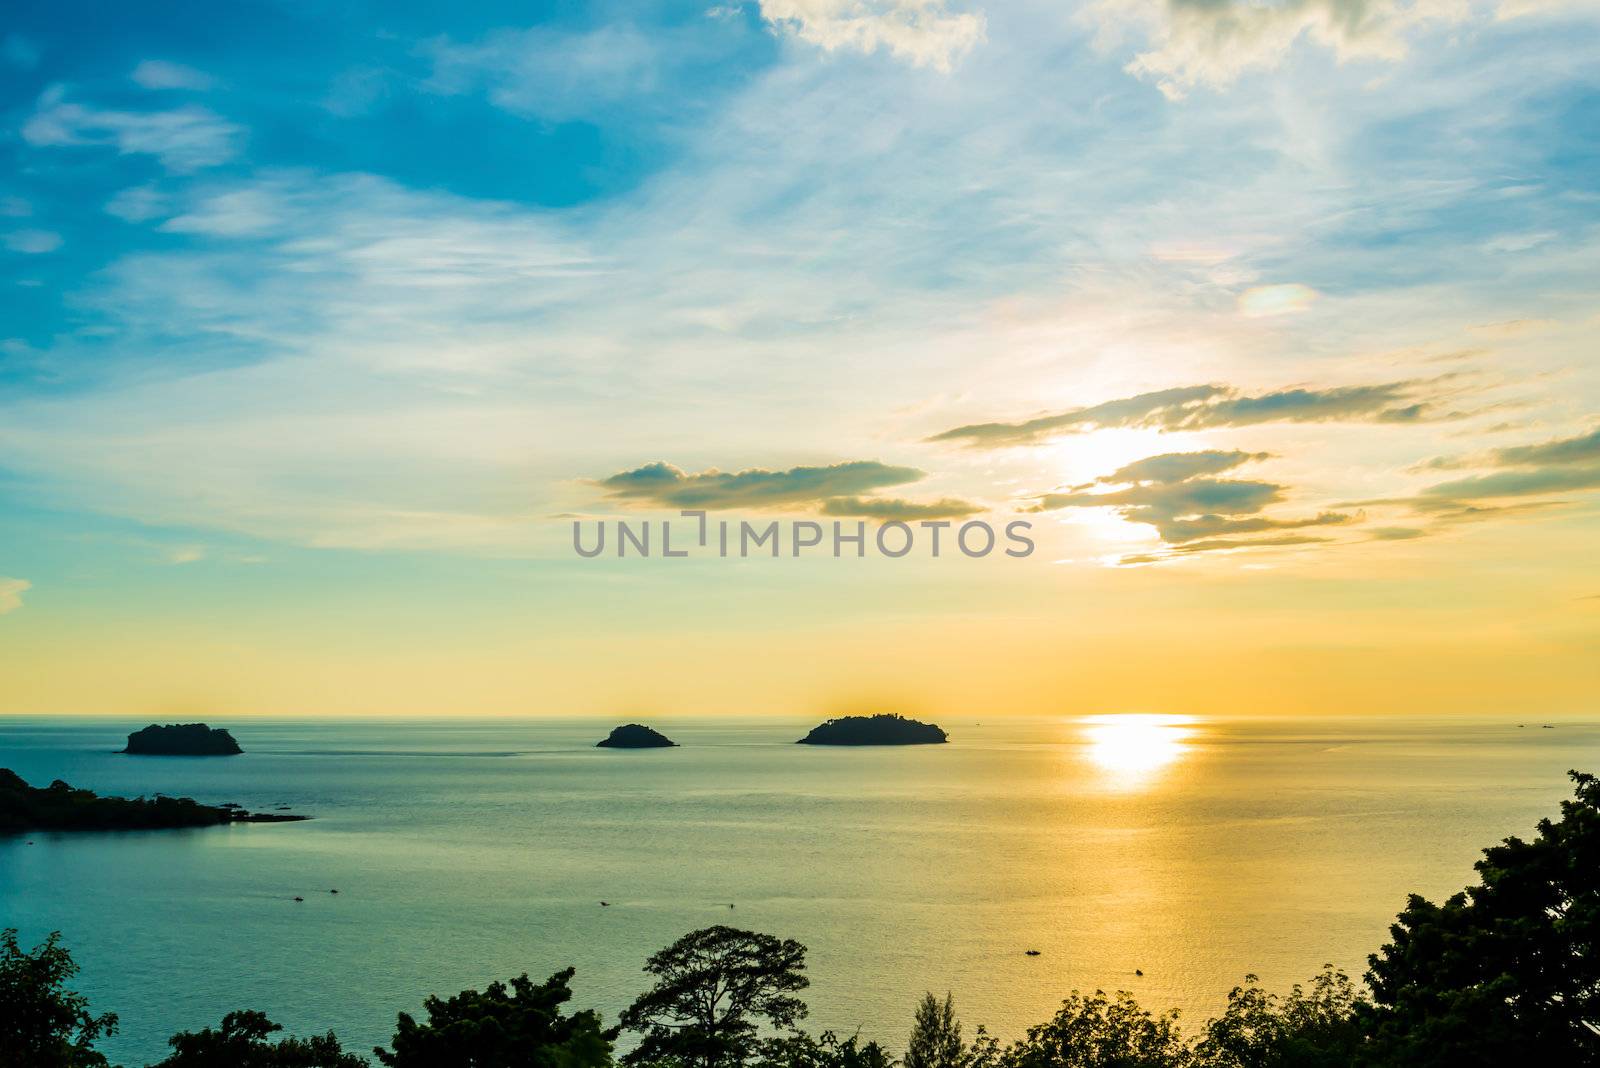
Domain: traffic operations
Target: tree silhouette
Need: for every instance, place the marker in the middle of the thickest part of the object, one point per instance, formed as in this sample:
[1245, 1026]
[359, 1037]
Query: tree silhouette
[935, 1040]
[1313, 1026]
[1508, 971]
[42, 1023]
[241, 1042]
[1097, 1031]
[713, 989]
[800, 1050]
[519, 1027]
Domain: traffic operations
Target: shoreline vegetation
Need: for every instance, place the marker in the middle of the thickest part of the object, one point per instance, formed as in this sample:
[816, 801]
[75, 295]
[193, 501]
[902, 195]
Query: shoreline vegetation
[182, 739]
[62, 807]
[1505, 972]
[882, 729]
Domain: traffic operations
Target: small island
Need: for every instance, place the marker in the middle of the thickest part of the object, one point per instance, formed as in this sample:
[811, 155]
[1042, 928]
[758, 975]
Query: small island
[884, 729]
[635, 736]
[182, 739]
[60, 807]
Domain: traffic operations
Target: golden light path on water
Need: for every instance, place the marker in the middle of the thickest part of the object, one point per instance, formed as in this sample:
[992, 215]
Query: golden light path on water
[1132, 750]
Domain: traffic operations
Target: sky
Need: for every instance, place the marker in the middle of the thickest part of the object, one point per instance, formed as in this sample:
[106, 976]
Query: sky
[321, 326]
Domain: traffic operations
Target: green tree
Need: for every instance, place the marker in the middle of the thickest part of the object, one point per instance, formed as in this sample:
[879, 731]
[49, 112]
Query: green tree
[1508, 971]
[517, 1027]
[1312, 1027]
[714, 988]
[935, 1040]
[241, 1042]
[42, 1023]
[1097, 1031]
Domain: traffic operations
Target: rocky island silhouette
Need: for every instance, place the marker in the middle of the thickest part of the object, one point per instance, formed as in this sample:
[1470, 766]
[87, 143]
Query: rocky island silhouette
[882, 729]
[182, 739]
[62, 807]
[635, 736]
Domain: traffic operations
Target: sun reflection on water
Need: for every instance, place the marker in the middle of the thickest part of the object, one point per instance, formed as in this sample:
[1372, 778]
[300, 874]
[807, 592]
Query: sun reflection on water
[1131, 750]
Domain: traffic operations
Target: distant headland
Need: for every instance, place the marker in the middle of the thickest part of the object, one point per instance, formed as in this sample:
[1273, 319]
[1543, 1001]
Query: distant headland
[635, 736]
[182, 739]
[885, 729]
[60, 807]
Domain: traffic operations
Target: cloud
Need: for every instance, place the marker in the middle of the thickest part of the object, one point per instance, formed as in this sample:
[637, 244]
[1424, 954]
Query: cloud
[554, 74]
[1555, 466]
[1220, 545]
[667, 486]
[139, 203]
[1130, 411]
[1173, 493]
[1211, 43]
[159, 74]
[32, 242]
[924, 33]
[1205, 407]
[11, 591]
[1518, 483]
[184, 139]
[1178, 466]
[1396, 533]
[890, 508]
[1582, 449]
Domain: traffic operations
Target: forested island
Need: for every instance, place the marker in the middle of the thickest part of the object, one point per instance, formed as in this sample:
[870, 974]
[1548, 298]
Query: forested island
[61, 807]
[882, 729]
[1501, 974]
[635, 736]
[182, 739]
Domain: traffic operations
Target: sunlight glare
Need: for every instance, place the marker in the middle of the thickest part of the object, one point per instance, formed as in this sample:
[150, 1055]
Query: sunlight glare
[1131, 749]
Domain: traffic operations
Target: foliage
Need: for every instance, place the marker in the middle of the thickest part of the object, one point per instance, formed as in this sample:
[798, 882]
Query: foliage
[61, 807]
[1508, 971]
[517, 1027]
[889, 728]
[935, 1040]
[241, 1042]
[42, 1023]
[800, 1050]
[1309, 1028]
[713, 989]
[1100, 1031]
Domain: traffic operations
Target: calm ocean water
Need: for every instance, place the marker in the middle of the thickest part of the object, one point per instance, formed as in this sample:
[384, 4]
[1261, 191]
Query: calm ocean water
[469, 851]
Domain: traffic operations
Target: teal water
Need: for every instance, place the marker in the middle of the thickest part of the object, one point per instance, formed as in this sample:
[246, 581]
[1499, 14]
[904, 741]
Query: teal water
[468, 851]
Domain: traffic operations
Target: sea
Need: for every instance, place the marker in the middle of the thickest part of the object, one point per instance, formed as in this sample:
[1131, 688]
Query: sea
[1167, 856]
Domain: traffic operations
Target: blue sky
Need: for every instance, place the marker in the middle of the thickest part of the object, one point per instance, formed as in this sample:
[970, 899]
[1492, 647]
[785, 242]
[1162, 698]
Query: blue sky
[339, 308]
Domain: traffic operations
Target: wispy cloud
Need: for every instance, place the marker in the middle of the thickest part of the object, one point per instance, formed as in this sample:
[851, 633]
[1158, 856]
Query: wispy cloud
[1179, 466]
[11, 591]
[552, 73]
[925, 33]
[1212, 406]
[32, 242]
[889, 508]
[1211, 43]
[1558, 466]
[184, 139]
[1174, 494]
[1219, 545]
[665, 485]
[160, 74]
